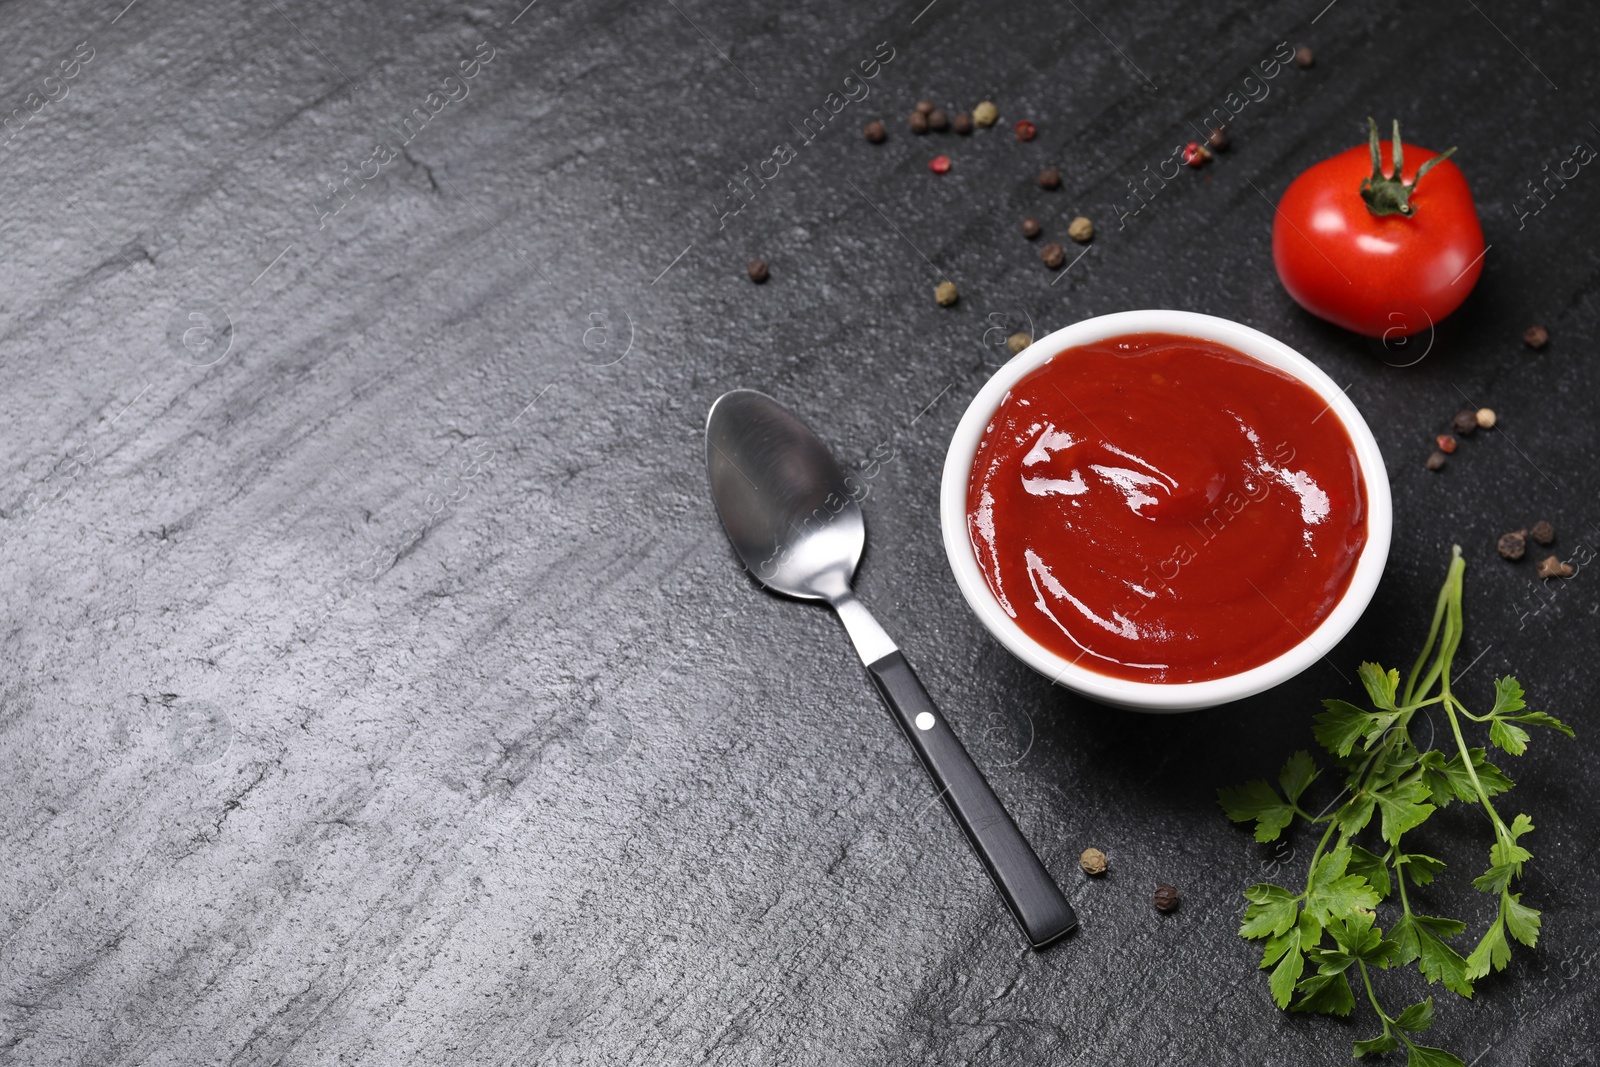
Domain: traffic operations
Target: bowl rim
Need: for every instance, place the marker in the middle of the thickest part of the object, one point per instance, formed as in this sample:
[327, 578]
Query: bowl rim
[1162, 696]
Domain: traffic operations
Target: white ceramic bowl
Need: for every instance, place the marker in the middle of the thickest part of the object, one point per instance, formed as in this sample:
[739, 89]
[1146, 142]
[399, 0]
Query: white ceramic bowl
[1155, 696]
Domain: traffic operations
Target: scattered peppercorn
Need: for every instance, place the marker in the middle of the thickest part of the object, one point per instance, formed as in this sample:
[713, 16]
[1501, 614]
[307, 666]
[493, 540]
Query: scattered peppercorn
[938, 121]
[1435, 460]
[1536, 337]
[1025, 130]
[962, 123]
[919, 122]
[1543, 532]
[985, 114]
[1031, 228]
[924, 106]
[1303, 57]
[1486, 418]
[1165, 898]
[1447, 444]
[874, 132]
[1550, 567]
[1465, 423]
[946, 294]
[1053, 255]
[758, 271]
[1195, 154]
[939, 164]
[1049, 178]
[1093, 861]
[1081, 230]
[1014, 344]
[1219, 139]
[1512, 545]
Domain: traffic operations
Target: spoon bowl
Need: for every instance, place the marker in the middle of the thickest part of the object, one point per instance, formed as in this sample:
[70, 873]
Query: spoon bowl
[784, 501]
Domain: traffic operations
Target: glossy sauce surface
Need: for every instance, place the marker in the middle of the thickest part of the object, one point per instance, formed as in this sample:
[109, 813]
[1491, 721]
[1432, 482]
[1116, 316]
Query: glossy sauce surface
[1165, 509]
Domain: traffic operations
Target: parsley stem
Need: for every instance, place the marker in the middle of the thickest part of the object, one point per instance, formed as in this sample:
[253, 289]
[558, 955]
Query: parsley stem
[1500, 832]
[1400, 881]
[1462, 708]
[1318, 853]
[1447, 594]
[1452, 579]
[1372, 998]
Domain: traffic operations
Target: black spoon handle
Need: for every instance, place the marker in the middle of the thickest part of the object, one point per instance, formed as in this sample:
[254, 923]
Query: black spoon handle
[1027, 888]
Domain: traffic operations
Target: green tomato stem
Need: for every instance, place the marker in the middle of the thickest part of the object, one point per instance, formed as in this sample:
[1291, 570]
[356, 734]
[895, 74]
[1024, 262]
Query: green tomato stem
[1388, 194]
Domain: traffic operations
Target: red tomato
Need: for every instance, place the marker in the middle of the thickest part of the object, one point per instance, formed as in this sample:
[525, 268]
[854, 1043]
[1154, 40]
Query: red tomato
[1384, 258]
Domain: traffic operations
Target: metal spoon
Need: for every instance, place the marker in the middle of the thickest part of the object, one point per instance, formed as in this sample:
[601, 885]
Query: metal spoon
[790, 513]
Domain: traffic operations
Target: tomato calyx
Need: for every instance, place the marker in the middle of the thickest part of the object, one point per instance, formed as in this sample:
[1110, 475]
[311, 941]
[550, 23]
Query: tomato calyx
[1390, 195]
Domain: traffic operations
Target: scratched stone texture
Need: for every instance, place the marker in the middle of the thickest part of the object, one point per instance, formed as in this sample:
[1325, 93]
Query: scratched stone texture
[377, 684]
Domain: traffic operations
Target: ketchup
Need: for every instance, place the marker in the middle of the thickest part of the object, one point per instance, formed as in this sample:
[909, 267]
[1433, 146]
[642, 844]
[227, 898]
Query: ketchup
[1165, 509]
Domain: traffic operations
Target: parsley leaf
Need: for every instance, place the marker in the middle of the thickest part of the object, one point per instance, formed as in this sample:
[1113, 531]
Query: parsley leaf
[1428, 1056]
[1299, 772]
[1354, 816]
[1491, 951]
[1404, 808]
[1522, 922]
[1507, 696]
[1355, 940]
[1419, 868]
[1373, 868]
[1287, 972]
[1342, 725]
[1381, 685]
[1539, 718]
[1495, 879]
[1333, 894]
[1514, 739]
[1420, 938]
[1329, 994]
[1416, 1018]
[1448, 779]
[1384, 1042]
[1257, 801]
[1273, 909]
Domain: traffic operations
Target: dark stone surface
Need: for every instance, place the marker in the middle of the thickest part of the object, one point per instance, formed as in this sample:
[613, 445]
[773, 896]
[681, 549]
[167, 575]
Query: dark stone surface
[384, 691]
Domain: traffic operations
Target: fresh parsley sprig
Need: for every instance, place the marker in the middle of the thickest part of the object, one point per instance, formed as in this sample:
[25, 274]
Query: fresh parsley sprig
[1319, 939]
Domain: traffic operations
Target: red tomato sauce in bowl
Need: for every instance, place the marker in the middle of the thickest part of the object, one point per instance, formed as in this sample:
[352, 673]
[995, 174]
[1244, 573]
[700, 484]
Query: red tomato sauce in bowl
[1165, 509]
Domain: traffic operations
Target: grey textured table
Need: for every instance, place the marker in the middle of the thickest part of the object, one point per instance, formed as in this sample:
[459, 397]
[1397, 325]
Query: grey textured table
[378, 686]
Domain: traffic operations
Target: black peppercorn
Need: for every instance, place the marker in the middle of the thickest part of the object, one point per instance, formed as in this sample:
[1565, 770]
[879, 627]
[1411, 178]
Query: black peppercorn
[1512, 545]
[1218, 139]
[758, 271]
[1165, 898]
[962, 123]
[1543, 532]
[1465, 422]
[938, 121]
[874, 132]
[1053, 255]
[1435, 460]
[1050, 178]
[919, 122]
[1031, 228]
[924, 106]
[1303, 57]
[1536, 337]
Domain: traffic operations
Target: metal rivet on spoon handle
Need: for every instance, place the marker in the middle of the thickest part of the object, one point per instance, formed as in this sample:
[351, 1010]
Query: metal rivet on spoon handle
[794, 522]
